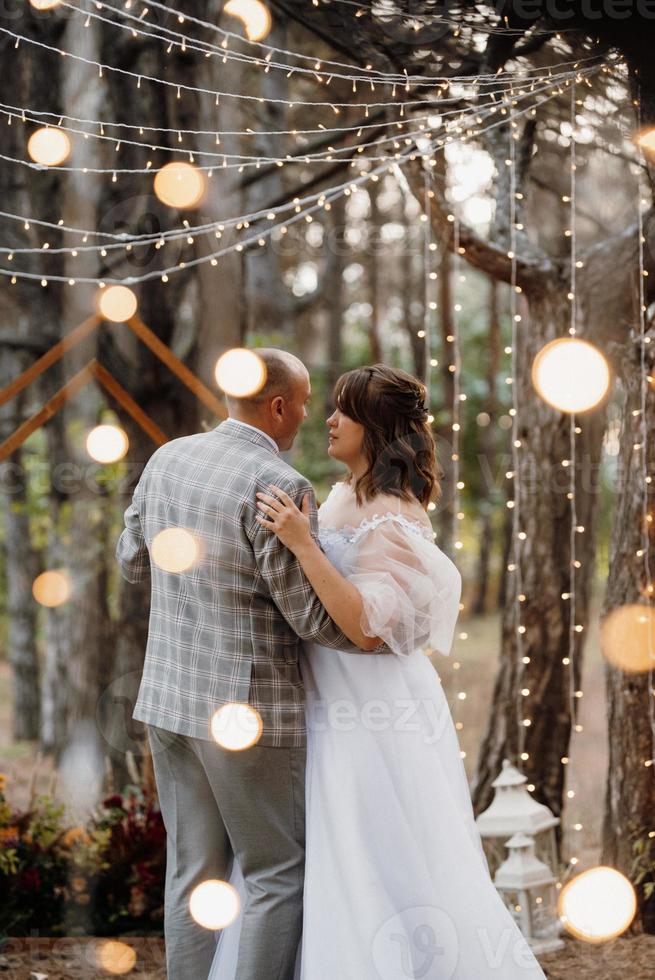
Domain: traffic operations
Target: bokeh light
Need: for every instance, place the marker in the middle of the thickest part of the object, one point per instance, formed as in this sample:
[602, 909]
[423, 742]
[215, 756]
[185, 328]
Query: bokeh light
[45, 4]
[627, 638]
[116, 303]
[180, 185]
[175, 549]
[52, 588]
[240, 372]
[49, 146]
[107, 443]
[646, 140]
[597, 905]
[214, 904]
[236, 726]
[253, 14]
[571, 374]
[115, 957]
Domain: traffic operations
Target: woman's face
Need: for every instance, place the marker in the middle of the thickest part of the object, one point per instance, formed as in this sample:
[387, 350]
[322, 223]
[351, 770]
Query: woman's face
[345, 437]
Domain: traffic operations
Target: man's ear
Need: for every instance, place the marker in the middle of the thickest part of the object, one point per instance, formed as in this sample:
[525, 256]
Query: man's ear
[276, 407]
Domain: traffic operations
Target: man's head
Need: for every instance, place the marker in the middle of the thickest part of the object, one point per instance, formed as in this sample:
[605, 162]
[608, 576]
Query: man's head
[279, 407]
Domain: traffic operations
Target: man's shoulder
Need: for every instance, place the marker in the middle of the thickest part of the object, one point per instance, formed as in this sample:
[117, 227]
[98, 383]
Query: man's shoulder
[277, 470]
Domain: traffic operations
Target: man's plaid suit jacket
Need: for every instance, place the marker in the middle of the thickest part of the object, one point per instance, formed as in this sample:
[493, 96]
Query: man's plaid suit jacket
[229, 629]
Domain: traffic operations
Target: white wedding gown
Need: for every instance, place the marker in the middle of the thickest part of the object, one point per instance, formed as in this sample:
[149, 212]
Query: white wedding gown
[396, 882]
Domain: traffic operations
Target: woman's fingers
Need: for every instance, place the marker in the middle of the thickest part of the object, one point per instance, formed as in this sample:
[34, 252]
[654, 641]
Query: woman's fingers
[269, 501]
[284, 497]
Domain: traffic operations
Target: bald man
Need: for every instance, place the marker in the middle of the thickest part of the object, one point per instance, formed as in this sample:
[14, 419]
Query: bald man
[229, 629]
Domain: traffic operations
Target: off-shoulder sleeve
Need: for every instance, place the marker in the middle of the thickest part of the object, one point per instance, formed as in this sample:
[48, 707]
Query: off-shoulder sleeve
[409, 587]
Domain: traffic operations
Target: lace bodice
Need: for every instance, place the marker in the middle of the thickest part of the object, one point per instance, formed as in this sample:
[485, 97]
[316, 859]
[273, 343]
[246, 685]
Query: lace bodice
[410, 588]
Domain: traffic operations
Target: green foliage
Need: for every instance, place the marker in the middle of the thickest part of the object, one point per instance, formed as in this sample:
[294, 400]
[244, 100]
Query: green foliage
[106, 877]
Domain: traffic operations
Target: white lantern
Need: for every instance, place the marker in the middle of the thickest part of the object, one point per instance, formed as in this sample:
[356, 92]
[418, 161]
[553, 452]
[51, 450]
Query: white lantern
[527, 887]
[512, 811]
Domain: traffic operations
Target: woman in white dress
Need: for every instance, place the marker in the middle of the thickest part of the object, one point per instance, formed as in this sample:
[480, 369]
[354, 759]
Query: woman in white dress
[396, 882]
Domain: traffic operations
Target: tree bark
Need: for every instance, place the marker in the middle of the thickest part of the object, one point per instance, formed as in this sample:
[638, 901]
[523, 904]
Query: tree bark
[630, 786]
[488, 445]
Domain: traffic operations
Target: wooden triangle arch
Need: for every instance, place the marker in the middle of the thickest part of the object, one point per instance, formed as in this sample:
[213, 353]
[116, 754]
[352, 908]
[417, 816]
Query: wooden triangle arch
[95, 371]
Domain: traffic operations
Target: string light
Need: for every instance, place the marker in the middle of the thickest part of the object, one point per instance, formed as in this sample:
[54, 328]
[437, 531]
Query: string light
[646, 515]
[240, 372]
[116, 303]
[49, 147]
[515, 566]
[180, 185]
[408, 155]
[570, 661]
[217, 94]
[107, 443]
[214, 904]
[319, 70]
[254, 15]
[243, 161]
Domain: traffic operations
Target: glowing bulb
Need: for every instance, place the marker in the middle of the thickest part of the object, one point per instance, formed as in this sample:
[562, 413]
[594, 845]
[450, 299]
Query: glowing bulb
[174, 549]
[236, 726]
[115, 956]
[107, 443]
[646, 140]
[52, 588]
[214, 904]
[49, 146]
[116, 303]
[180, 185]
[597, 905]
[45, 4]
[240, 372]
[627, 637]
[254, 16]
[571, 374]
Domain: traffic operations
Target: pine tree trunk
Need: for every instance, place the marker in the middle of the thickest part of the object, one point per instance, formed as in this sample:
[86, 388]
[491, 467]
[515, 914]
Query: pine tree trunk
[630, 786]
[544, 576]
[488, 440]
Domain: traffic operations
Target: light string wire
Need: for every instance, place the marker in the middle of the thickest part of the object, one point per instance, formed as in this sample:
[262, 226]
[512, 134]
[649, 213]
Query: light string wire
[647, 517]
[430, 18]
[364, 75]
[574, 563]
[458, 25]
[515, 563]
[159, 239]
[345, 188]
[459, 116]
[409, 155]
[455, 367]
[217, 93]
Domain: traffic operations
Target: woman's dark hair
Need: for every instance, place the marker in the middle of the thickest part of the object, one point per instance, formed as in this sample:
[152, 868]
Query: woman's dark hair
[398, 440]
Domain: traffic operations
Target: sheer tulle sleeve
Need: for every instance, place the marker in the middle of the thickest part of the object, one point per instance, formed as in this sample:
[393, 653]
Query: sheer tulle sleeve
[409, 587]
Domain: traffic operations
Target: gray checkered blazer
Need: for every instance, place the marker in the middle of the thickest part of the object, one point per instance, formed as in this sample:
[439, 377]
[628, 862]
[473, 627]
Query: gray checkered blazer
[230, 628]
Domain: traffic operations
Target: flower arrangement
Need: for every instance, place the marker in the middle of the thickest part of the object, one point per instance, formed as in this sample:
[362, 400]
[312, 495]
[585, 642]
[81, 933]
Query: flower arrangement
[104, 878]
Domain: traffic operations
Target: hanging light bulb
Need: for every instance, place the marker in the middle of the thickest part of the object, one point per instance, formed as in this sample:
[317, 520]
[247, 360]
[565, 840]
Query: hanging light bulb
[180, 185]
[236, 726]
[116, 957]
[646, 140]
[49, 146]
[597, 905]
[45, 4]
[175, 549]
[253, 14]
[627, 638]
[107, 443]
[571, 374]
[214, 904]
[240, 372]
[52, 588]
[116, 303]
